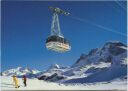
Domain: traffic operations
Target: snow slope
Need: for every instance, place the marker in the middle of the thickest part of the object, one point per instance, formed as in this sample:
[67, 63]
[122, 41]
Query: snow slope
[35, 84]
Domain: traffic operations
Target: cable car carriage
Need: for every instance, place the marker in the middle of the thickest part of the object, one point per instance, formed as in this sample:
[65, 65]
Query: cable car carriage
[56, 42]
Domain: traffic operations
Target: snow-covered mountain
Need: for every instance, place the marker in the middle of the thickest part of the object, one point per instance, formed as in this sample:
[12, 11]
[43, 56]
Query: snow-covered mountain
[99, 65]
[113, 52]
[54, 73]
[102, 68]
[103, 64]
[20, 71]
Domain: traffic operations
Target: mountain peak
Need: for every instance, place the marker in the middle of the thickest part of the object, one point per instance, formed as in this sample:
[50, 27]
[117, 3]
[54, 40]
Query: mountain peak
[114, 43]
[54, 66]
[18, 68]
[114, 47]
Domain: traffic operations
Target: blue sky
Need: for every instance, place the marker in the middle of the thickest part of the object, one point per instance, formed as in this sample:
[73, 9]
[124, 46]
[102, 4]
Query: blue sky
[26, 25]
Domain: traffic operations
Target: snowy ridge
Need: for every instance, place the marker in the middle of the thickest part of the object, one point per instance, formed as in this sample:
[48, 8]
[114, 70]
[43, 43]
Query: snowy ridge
[54, 73]
[20, 71]
[55, 68]
[109, 52]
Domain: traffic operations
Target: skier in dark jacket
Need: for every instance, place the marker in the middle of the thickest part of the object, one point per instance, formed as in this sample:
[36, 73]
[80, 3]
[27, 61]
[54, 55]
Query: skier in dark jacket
[24, 80]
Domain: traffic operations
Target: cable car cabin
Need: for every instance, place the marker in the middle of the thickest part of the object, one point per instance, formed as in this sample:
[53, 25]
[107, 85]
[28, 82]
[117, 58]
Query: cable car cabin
[57, 43]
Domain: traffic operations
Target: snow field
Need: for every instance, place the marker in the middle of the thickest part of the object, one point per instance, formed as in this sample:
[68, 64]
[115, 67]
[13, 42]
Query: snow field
[35, 84]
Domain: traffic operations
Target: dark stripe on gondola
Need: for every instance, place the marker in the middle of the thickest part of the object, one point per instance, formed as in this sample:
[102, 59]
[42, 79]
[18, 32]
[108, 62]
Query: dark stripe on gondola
[57, 39]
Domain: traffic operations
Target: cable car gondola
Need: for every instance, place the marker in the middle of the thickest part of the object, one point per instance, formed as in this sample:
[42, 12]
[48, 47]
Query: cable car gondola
[56, 42]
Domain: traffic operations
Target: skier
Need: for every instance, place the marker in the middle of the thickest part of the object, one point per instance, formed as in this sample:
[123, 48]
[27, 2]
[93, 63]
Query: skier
[24, 80]
[15, 80]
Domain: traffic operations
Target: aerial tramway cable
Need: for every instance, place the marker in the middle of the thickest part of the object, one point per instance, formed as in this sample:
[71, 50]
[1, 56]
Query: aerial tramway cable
[57, 42]
[117, 2]
[97, 25]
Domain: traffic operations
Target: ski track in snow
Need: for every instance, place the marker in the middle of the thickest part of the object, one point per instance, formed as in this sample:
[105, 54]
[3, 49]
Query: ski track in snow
[35, 84]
